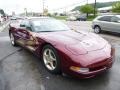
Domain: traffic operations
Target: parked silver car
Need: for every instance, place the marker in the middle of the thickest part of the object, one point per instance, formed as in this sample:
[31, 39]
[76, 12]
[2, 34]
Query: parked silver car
[106, 23]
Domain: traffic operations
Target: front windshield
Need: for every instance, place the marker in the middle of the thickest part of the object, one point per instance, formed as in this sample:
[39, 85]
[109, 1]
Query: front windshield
[48, 25]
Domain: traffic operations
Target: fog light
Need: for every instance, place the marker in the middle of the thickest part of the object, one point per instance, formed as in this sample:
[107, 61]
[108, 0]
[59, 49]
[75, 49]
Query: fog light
[78, 69]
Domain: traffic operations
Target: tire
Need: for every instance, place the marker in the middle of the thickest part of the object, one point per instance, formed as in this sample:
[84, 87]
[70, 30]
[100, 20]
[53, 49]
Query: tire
[12, 39]
[97, 29]
[51, 62]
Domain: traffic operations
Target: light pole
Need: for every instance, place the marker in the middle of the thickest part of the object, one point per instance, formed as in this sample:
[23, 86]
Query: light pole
[95, 9]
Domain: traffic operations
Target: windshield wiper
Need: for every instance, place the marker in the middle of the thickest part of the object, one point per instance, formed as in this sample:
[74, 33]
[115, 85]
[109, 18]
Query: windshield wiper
[52, 31]
[45, 31]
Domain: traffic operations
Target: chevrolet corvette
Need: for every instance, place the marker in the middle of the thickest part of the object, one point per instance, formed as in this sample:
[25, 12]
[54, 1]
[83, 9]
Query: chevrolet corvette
[62, 50]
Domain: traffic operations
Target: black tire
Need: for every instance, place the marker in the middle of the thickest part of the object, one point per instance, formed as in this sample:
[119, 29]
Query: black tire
[12, 42]
[97, 29]
[57, 69]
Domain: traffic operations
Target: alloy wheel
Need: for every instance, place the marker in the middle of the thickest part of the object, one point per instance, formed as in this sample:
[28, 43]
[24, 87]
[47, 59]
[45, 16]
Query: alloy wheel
[49, 59]
[12, 39]
[97, 29]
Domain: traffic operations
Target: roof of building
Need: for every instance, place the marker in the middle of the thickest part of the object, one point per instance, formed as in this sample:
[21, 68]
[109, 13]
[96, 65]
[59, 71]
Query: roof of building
[105, 8]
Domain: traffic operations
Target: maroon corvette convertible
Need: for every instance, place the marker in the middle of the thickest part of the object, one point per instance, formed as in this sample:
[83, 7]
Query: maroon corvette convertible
[76, 53]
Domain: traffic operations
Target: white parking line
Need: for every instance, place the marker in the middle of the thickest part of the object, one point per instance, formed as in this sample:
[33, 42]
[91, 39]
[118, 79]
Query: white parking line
[3, 27]
[42, 87]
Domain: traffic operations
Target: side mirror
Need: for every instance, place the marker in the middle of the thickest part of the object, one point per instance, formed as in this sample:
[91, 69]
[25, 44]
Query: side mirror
[29, 28]
[21, 25]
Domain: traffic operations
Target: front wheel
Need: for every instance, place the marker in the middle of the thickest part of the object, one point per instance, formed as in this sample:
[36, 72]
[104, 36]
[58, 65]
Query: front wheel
[97, 29]
[12, 39]
[51, 59]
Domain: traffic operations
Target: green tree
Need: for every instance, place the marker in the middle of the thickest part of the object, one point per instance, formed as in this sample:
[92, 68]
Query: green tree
[88, 9]
[55, 13]
[2, 12]
[49, 14]
[116, 7]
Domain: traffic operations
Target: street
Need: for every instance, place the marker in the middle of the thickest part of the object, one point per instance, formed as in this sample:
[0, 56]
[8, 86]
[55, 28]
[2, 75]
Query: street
[21, 70]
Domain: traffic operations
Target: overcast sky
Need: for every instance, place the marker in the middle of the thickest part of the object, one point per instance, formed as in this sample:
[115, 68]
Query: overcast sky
[36, 5]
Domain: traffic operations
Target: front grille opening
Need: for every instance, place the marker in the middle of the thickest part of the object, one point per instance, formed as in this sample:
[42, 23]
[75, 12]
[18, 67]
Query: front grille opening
[96, 68]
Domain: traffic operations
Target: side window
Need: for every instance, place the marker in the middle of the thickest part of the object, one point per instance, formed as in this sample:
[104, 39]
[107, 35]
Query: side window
[22, 24]
[115, 19]
[26, 24]
[105, 18]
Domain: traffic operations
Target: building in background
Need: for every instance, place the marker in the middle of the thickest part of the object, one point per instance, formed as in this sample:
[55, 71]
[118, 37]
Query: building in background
[13, 13]
[105, 9]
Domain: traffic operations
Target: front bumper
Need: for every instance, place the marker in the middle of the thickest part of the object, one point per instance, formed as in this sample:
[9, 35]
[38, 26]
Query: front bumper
[93, 71]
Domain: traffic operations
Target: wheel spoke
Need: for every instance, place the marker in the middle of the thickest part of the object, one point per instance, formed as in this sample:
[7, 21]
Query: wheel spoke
[45, 55]
[52, 66]
[47, 63]
[52, 58]
[49, 52]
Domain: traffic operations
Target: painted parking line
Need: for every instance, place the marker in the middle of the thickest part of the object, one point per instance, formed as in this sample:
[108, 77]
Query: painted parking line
[4, 26]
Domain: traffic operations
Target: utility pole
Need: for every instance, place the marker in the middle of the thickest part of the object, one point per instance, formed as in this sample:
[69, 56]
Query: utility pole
[43, 6]
[87, 2]
[95, 9]
[25, 9]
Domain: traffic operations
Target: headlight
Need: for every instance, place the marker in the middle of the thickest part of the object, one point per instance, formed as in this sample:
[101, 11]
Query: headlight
[78, 69]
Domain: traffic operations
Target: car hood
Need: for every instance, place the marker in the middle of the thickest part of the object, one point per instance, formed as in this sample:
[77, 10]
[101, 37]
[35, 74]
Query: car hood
[77, 42]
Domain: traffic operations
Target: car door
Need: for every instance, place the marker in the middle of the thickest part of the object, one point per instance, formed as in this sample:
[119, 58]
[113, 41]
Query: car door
[105, 23]
[29, 41]
[21, 33]
[115, 24]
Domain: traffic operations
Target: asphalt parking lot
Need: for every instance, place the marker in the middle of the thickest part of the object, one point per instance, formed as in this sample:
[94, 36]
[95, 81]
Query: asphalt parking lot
[21, 70]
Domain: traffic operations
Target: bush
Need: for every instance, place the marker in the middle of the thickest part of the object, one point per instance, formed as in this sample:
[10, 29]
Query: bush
[116, 7]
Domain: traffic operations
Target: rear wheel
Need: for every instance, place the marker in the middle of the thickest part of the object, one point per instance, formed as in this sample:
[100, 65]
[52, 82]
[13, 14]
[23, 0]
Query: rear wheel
[97, 29]
[51, 59]
[12, 39]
